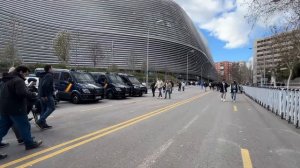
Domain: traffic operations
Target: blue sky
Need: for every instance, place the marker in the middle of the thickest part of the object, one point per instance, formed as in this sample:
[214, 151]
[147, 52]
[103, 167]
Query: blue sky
[223, 24]
[220, 53]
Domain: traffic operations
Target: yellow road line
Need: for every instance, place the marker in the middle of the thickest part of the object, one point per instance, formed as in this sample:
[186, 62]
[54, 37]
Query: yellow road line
[235, 108]
[246, 158]
[100, 132]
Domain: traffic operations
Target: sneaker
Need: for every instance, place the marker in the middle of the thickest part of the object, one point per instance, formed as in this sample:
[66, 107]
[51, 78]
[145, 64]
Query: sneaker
[40, 125]
[46, 126]
[35, 144]
[3, 156]
[20, 141]
[3, 145]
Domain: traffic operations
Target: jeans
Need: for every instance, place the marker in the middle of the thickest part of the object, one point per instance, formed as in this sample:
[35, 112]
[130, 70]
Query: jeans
[153, 92]
[48, 108]
[20, 122]
[168, 92]
[233, 95]
[223, 95]
[160, 94]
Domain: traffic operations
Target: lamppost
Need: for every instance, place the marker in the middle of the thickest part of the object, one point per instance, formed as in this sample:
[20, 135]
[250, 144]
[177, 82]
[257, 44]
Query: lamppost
[187, 65]
[147, 62]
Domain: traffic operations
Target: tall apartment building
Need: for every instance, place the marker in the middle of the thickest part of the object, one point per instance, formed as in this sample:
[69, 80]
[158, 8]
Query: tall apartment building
[267, 55]
[224, 70]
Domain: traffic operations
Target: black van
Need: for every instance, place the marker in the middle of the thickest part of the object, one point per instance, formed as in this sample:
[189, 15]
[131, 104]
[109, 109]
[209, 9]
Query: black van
[76, 86]
[116, 88]
[137, 89]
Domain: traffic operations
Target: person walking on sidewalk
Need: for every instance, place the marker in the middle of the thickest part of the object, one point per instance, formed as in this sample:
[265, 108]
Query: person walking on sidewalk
[46, 90]
[153, 88]
[223, 90]
[183, 85]
[234, 90]
[168, 89]
[159, 84]
[179, 86]
[13, 104]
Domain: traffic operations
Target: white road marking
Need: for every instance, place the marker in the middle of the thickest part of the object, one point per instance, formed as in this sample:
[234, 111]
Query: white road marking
[188, 125]
[96, 108]
[150, 160]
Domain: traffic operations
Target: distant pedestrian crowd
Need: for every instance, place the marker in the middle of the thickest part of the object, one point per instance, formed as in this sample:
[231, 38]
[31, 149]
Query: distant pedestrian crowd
[166, 88]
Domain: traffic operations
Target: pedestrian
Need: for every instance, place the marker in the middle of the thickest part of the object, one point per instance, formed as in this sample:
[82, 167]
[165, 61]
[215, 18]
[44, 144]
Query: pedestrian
[210, 85]
[46, 90]
[168, 89]
[172, 83]
[234, 90]
[159, 85]
[13, 103]
[183, 85]
[179, 86]
[15, 130]
[205, 86]
[223, 89]
[153, 88]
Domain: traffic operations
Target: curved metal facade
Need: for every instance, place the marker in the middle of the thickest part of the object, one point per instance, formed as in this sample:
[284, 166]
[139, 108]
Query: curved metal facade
[121, 30]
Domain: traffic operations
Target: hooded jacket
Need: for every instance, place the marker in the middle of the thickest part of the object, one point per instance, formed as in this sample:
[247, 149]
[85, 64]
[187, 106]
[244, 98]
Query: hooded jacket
[14, 95]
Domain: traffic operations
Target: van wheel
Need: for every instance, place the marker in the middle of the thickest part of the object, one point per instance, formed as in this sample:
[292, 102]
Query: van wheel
[75, 99]
[110, 95]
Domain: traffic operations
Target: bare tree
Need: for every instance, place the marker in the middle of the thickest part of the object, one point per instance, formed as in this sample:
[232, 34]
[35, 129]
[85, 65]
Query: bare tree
[113, 68]
[62, 46]
[265, 10]
[131, 61]
[14, 30]
[288, 49]
[96, 53]
[286, 34]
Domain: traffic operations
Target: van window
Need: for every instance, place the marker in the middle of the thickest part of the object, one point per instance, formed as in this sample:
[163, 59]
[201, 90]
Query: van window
[65, 76]
[56, 75]
[102, 78]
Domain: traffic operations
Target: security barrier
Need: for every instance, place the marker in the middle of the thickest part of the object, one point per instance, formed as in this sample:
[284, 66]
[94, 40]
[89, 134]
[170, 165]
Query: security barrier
[282, 102]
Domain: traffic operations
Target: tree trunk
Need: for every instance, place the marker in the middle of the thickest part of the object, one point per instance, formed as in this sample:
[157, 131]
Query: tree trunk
[290, 76]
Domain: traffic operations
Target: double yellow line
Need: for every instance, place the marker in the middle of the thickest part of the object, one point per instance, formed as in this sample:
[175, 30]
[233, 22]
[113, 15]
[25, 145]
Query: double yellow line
[92, 136]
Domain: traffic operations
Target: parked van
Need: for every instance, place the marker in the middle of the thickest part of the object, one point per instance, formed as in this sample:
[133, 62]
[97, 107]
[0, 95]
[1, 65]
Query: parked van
[116, 88]
[75, 86]
[137, 89]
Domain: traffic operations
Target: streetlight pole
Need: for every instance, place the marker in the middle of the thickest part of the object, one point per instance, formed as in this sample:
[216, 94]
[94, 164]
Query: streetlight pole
[187, 65]
[147, 60]
[147, 63]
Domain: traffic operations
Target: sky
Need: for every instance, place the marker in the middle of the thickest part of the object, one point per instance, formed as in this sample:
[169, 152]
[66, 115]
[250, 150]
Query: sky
[222, 22]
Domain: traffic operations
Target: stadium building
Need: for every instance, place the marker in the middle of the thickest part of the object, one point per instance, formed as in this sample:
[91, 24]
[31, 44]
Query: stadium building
[108, 32]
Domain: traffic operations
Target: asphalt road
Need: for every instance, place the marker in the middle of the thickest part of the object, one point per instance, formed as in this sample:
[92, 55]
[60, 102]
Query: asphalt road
[194, 129]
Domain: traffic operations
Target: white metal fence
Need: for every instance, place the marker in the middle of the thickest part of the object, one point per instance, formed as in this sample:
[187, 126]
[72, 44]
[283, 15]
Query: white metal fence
[282, 102]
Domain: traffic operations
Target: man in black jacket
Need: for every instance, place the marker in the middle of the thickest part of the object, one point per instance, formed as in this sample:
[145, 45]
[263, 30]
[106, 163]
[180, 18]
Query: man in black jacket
[223, 89]
[46, 89]
[13, 97]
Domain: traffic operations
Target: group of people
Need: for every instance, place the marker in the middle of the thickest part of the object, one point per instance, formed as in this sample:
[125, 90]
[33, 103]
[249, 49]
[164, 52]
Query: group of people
[166, 87]
[222, 87]
[16, 101]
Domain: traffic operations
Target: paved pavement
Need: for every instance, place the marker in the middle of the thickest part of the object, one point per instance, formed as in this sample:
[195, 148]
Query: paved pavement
[193, 129]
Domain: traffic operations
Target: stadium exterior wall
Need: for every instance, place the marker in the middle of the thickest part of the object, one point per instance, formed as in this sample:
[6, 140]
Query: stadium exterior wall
[120, 30]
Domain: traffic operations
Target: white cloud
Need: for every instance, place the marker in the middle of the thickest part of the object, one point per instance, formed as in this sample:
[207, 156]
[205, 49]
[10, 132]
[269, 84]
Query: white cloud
[224, 19]
[249, 64]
